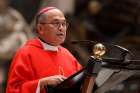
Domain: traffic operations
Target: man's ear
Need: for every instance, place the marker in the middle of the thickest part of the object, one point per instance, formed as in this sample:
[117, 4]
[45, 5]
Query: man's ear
[40, 29]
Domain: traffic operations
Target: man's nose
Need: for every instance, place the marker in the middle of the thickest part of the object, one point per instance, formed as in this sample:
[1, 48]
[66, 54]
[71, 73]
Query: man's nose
[61, 27]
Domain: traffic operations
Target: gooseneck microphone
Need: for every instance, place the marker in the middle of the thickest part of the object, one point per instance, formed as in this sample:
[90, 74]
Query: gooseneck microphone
[123, 62]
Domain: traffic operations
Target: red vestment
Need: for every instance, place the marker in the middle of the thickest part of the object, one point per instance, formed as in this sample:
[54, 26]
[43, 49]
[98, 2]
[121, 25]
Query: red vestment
[32, 63]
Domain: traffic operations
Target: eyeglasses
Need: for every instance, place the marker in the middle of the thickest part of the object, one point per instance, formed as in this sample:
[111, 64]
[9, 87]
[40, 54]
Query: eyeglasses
[58, 24]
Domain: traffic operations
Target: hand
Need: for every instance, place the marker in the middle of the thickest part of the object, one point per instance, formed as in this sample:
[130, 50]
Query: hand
[52, 80]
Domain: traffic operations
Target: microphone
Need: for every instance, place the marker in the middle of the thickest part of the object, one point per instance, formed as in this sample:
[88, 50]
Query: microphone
[124, 62]
[122, 48]
[95, 42]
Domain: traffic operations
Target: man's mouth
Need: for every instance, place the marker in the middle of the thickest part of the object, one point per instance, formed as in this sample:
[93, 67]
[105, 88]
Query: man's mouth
[60, 34]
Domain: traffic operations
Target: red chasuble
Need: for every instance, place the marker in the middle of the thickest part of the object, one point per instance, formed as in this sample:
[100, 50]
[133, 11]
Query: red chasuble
[32, 63]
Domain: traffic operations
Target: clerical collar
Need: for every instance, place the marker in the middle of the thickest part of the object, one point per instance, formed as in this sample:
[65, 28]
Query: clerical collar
[48, 47]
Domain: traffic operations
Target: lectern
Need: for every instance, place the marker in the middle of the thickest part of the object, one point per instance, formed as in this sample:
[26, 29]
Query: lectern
[84, 80]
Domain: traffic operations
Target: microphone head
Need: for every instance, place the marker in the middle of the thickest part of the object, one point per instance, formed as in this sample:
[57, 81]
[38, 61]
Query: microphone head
[122, 48]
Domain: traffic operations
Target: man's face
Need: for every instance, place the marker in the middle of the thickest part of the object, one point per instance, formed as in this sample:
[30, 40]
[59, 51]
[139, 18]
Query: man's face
[53, 28]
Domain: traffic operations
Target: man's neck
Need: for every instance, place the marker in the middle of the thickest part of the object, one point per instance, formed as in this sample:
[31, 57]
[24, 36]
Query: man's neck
[47, 46]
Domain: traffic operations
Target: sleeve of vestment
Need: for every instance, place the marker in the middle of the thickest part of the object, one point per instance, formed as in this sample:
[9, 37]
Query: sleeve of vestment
[21, 77]
[78, 66]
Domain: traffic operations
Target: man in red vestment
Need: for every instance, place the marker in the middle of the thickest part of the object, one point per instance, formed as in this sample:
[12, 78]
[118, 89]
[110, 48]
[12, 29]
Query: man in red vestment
[43, 61]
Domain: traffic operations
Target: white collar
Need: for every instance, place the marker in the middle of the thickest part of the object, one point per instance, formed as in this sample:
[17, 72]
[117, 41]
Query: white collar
[49, 47]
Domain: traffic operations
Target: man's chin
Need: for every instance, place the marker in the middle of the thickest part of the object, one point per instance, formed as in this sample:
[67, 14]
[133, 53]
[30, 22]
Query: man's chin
[58, 42]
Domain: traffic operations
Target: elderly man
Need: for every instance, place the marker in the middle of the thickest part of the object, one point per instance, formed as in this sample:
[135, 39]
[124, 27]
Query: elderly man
[43, 61]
